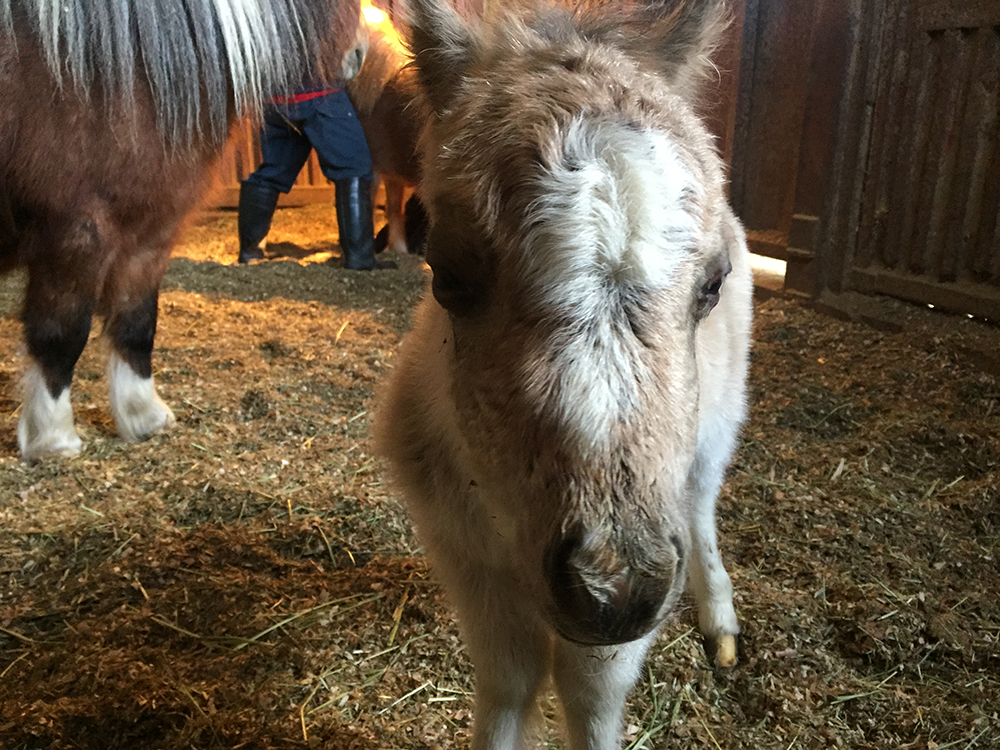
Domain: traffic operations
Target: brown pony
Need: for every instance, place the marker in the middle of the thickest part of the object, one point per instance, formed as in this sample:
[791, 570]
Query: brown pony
[111, 116]
[385, 96]
[562, 414]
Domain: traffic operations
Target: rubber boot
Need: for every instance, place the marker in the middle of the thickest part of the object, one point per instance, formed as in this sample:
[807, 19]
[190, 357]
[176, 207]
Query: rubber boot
[257, 204]
[354, 222]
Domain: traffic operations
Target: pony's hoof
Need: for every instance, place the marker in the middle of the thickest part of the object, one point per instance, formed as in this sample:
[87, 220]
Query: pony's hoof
[143, 419]
[139, 428]
[55, 445]
[725, 651]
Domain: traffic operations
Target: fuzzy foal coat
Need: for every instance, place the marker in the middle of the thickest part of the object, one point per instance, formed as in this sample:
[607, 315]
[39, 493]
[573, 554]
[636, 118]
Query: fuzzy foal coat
[564, 409]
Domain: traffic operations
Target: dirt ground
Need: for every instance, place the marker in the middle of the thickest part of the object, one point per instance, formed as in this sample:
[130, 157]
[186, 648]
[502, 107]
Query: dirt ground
[250, 580]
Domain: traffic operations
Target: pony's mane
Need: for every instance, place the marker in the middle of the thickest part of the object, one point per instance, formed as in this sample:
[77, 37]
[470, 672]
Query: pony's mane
[197, 56]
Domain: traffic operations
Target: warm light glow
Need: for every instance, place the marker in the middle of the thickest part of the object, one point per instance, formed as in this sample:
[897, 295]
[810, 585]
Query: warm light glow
[373, 15]
[768, 272]
[377, 20]
[764, 264]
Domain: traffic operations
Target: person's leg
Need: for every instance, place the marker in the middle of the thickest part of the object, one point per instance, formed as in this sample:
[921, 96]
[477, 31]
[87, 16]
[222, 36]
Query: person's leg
[284, 149]
[334, 131]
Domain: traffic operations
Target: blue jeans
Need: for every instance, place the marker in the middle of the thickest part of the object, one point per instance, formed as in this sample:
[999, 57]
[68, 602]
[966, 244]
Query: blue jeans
[328, 124]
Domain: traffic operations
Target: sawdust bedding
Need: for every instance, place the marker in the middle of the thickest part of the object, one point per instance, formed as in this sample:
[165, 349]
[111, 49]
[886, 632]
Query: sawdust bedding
[250, 580]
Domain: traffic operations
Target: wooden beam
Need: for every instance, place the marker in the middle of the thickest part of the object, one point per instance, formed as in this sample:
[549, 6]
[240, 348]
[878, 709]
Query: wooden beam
[973, 299]
[936, 15]
[774, 87]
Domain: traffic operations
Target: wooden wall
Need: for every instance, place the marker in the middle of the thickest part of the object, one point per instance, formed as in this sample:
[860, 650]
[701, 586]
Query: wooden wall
[914, 200]
[793, 55]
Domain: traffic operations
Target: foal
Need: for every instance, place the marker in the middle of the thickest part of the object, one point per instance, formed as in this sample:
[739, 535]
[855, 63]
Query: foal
[562, 413]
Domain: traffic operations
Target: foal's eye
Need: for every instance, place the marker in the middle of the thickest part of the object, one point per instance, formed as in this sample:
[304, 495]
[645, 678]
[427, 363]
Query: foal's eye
[457, 293]
[708, 295]
[457, 255]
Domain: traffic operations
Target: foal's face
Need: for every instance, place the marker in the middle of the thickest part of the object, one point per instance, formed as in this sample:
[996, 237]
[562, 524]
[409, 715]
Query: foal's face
[576, 245]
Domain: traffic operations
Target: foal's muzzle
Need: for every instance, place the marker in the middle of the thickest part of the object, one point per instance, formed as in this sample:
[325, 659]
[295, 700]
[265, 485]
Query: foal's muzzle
[601, 599]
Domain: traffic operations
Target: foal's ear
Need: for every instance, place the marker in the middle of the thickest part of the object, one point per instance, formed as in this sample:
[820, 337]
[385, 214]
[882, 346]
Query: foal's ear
[680, 35]
[442, 47]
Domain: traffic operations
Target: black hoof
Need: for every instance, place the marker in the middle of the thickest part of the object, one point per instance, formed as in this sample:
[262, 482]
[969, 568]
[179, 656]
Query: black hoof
[381, 239]
[251, 253]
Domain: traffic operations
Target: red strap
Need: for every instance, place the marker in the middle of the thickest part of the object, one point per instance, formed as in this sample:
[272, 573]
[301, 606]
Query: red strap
[296, 98]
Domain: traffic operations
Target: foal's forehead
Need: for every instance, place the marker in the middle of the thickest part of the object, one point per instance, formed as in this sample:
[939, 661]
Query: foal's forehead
[570, 155]
[610, 167]
[622, 209]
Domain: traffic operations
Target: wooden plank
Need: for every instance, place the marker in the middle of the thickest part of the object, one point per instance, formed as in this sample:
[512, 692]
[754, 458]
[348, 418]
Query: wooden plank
[887, 94]
[906, 161]
[924, 73]
[837, 229]
[950, 109]
[976, 141]
[972, 299]
[995, 250]
[936, 15]
[778, 96]
[772, 244]
[739, 163]
[920, 194]
[979, 230]
[827, 70]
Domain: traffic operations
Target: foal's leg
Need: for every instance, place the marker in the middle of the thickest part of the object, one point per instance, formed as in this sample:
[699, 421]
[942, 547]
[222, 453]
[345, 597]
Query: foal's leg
[593, 683]
[510, 652]
[57, 312]
[710, 584]
[138, 411]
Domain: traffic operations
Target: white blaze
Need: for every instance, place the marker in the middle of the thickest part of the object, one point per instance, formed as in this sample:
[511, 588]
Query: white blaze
[617, 213]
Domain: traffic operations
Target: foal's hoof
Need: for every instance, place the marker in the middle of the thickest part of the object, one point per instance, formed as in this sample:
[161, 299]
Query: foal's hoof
[725, 651]
[721, 650]
[46, 429]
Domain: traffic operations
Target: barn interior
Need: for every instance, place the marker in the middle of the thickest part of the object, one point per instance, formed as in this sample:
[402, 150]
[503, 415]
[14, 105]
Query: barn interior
[250, 578]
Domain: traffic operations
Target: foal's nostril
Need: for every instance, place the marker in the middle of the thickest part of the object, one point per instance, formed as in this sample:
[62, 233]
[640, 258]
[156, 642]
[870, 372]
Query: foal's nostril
[599, 599]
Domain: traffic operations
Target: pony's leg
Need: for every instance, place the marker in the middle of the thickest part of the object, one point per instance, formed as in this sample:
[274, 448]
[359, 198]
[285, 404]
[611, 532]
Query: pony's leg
[593, 683]
[137, 409]
[394, 191]
[710, 584]
[57, 316]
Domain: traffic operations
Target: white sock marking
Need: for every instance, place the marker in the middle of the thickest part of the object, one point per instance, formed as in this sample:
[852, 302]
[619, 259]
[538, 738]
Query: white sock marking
[138, 410]
[46, 424]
